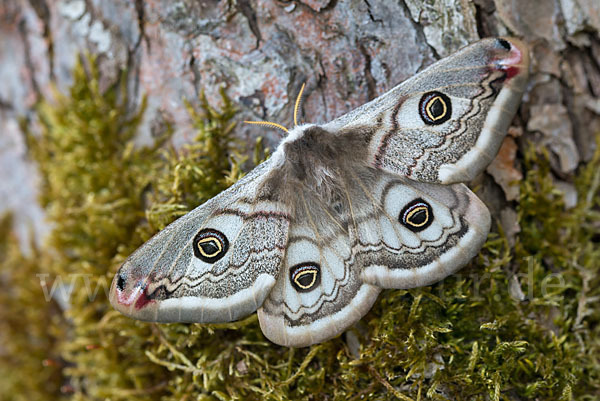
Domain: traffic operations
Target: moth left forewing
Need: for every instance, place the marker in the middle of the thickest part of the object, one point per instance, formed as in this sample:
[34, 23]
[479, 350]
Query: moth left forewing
[215, 264]
[446, 123]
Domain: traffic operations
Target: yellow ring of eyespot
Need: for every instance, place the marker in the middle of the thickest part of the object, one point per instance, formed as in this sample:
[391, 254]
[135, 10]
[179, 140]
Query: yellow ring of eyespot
[410, 214]
[297, 277]
[430, 104]
[207, 239]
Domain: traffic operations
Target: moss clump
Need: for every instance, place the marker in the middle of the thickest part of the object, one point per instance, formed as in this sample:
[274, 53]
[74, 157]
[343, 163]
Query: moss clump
[31, 325]
[518, 323]
[93, 185]
[201, 169]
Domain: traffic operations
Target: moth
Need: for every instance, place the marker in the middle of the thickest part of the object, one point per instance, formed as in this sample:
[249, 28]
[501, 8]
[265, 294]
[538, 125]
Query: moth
[371, 200]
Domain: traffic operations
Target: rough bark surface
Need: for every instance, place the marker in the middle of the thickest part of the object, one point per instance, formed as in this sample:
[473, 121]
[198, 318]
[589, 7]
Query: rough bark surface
[347, 51]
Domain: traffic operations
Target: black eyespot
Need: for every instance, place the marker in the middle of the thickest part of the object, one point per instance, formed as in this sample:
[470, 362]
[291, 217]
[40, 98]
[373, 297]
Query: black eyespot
[417, 215]
[210, 245]
[305, 276]
[435, 108]
[504, 43]
[121, 282]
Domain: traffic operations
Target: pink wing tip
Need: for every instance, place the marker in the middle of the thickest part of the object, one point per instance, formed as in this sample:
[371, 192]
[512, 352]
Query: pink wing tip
[516, 62]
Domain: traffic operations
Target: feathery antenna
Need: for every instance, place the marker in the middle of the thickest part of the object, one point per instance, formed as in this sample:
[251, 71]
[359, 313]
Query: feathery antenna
[297, 105]
[268, 123]
[281, 127]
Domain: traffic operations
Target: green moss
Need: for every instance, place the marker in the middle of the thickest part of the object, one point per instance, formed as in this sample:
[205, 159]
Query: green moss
[469, 337]
[201, 169]
[30, 326]
[94, 181]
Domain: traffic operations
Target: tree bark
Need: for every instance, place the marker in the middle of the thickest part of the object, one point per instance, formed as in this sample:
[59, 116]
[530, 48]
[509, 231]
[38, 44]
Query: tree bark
[347, 52]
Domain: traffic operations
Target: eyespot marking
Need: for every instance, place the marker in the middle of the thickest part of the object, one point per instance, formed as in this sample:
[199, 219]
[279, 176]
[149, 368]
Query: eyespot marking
[210, 245]
[435, 108]
[417, 215]
[305, 276]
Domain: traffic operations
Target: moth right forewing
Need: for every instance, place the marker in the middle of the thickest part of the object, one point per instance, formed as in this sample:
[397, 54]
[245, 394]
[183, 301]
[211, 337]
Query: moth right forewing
[446, 123]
